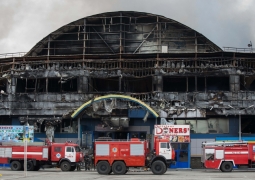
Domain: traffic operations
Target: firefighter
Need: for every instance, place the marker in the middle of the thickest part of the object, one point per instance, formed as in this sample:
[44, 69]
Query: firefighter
[92, 162]
[78, 167]
[87, 162]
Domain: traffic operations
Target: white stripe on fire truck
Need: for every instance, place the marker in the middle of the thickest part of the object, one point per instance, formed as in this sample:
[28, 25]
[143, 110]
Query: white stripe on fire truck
[236, 152]
[34, 153]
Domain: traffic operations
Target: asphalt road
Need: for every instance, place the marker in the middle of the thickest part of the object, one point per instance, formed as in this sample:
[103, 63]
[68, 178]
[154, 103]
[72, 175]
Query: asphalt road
[57, 174]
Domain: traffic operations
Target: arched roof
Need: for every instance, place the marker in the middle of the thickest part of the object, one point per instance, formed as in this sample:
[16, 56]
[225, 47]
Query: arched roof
[123, 32]
[110, 96]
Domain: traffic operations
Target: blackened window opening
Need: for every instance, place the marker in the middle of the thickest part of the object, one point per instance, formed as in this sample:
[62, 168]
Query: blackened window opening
[21, 86]
[41, 85]
[201, 84]
[104, 84]
[191, 84]
[174, 84]
[137, 85]
[247, 125]
[54, 85]
[31, 85]
[252, 86]
[217, 83]
[69, 85]
[3, 85]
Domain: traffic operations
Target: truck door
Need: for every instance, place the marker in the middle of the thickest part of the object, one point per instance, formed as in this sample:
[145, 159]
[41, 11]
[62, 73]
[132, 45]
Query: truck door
[212, 158]
[164, 150]
[70, 153]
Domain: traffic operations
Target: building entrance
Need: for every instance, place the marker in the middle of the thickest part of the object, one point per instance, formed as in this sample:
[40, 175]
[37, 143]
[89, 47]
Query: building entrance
[182, 155]
[179, 137]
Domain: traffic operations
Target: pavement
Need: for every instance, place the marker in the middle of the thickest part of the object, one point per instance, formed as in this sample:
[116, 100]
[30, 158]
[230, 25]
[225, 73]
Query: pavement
[133, 174]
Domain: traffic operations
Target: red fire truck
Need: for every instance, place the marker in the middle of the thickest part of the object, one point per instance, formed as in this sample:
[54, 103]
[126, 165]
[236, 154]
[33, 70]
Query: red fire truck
[118, 156]
[63, 155]
[226, 155]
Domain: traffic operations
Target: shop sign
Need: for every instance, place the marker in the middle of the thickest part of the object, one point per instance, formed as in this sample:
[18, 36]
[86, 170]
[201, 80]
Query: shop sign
[175, 133]
[16, 133]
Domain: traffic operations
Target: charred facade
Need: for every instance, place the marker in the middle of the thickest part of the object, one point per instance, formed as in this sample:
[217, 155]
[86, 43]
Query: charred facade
[175, 70]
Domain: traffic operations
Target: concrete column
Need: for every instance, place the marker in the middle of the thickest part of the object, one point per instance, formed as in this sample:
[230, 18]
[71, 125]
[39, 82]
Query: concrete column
[12, 88]
[159, 83]
[234, 83]
[82, 84]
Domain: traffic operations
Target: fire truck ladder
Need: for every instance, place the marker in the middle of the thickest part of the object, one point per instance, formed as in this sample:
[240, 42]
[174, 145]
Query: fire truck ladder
[223, 143]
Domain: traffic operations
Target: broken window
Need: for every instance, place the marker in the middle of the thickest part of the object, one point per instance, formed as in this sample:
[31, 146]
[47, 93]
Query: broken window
[217, 83]
[202, 126]
[69, 85]
[3, 85]
[247, 83]
[137, 85]
[191, 84]
[21, 86]
[104, 84]
[41, 85]
[54, 85]
[247, 125]
[68, 126]
[243, 84]
[62, 85]
[211, 125]
[252, 86]
[31, 85]
[201, 84]
[192, 124]
[174, 84]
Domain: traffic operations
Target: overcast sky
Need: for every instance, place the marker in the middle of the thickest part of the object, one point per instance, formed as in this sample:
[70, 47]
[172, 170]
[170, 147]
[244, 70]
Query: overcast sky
[227, 23]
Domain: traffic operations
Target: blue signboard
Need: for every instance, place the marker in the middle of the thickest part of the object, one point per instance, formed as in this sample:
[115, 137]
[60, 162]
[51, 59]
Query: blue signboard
[16, 133]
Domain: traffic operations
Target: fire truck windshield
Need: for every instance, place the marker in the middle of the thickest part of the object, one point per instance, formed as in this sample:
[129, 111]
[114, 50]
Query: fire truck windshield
[209, 154]
[165, 145]
[77, 149]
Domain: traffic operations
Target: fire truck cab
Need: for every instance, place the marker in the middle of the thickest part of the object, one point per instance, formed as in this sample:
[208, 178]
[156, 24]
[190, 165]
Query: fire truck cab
[226, 155]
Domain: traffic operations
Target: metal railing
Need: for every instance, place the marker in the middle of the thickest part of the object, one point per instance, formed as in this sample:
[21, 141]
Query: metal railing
[241, 50]
[11, 55]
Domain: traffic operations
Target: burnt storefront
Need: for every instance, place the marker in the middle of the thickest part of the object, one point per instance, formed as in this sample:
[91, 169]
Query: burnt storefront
[117, 74]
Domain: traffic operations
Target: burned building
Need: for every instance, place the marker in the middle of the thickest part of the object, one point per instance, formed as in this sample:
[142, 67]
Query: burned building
[117, 74]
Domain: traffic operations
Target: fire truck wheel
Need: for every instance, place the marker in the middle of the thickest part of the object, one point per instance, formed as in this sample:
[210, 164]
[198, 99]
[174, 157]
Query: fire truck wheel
[226, 166]
[65, 166]
[166, 170]
[103, 167]
[158, 167]
[30, 166]
[15, 165]
[119, 168]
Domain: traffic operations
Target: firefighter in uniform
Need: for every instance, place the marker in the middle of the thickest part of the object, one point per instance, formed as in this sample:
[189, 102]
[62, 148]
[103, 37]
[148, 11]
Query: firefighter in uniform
[87, 162]
[78, 167]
